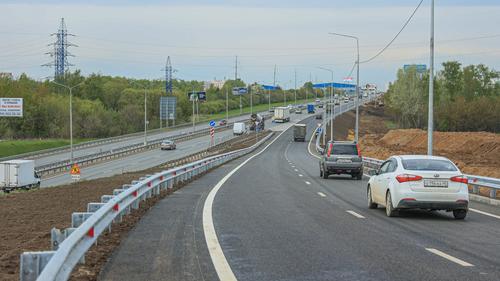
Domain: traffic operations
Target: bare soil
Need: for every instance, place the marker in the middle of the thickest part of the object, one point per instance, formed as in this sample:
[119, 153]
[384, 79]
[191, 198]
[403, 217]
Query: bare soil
[475, 153]
[26, 218]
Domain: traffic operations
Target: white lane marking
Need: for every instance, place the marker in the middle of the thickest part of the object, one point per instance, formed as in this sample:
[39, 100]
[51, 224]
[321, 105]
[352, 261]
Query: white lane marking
[295, 170]
[293, 166]
[308, 183]
[221, 265]
[448, 257]
[321, 194]
[355, 214]
[309, 147]
[484, 213]
[300, 175]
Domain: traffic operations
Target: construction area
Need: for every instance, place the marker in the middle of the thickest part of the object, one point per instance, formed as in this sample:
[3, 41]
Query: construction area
[476, 153]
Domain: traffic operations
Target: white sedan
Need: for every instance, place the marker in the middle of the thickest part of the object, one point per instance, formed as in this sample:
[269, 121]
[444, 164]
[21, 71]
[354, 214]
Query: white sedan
[418, 182]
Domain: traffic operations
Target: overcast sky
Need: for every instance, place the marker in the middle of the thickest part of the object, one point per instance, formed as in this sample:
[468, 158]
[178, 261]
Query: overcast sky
[133, 38]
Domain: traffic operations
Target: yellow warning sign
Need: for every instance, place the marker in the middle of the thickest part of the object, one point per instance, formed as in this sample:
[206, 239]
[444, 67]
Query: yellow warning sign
[75, 170]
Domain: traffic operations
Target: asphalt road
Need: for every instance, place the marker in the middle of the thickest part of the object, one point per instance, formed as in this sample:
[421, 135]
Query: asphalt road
[149, 158]
[125, 142]
[276, 219]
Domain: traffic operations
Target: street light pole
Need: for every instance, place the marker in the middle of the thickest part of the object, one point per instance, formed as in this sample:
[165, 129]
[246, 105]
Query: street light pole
[430, 125]
[145, 118]
[295, 88]
[329, 105]
[70, 115]
[227, 107]
[357, 81]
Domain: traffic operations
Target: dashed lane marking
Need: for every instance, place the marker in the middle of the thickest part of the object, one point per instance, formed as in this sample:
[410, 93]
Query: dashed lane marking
[321, 194]
[355, 214]
[448, 257]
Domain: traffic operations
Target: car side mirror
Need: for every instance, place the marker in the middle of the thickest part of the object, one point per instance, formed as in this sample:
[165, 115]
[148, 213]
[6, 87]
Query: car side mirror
[373, 172]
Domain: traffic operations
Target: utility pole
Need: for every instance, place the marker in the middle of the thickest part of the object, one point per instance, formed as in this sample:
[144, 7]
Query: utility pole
[145, 118]
[227, 107]
[193, 116]
[430, 125]
[295, 88]
[236, 69]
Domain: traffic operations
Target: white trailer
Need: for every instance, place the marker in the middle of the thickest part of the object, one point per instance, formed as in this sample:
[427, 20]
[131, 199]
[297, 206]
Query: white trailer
[16, 174]
[281, 114]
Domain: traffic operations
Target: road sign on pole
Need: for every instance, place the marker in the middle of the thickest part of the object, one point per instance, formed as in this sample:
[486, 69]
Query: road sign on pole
[75, 172]
[212, 123]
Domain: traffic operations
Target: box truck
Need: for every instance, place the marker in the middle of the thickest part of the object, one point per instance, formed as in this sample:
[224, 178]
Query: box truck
[281, 114]
[299, 132]
[239, 128]
[16, 174]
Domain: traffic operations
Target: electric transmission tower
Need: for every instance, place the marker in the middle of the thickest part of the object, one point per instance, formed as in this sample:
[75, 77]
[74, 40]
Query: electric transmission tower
[168, 77]
[60, 53]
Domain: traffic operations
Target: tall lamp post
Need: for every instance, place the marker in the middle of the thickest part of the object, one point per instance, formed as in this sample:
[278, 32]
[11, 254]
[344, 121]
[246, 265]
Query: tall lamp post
[357, 80]
[70, 88]
[332, 113]
[145, 112]
[430, 125]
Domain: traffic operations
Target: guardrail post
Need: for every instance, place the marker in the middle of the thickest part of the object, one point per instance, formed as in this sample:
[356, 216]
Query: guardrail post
[78, 218]
[32, 264]
[475, 189]
[493, 193]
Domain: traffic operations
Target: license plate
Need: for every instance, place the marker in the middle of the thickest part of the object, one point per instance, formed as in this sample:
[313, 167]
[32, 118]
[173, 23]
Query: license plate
[436, 183]
[344, 161]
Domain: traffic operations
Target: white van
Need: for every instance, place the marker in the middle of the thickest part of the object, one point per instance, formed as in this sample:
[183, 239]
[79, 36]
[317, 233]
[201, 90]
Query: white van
[239, 128]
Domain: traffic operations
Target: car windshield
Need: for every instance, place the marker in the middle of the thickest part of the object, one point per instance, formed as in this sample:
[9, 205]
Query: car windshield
[428, 165]
[344, 149]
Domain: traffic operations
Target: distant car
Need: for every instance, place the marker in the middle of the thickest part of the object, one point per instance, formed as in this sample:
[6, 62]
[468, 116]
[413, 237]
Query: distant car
[168, 145]
[418, 182]
[341, 157]
[320, 105]
[272, 109]
[319, 116]
[223, 122]
[298, 111]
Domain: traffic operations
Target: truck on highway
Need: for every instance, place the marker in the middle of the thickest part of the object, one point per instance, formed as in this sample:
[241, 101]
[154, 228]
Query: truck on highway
[281, 114]
[256, 122]
[239, 128]
[18, 174]
[310, 108]
[299, 132]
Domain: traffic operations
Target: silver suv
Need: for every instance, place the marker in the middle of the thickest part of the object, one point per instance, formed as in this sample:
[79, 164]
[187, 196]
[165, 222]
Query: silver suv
[341, 157]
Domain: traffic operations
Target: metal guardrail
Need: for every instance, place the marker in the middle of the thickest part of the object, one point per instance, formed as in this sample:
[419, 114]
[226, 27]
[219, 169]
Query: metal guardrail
[50, 151]
[65, 165]
[70, 245]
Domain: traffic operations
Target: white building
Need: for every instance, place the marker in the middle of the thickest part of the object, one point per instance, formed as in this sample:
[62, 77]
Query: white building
[214, 83]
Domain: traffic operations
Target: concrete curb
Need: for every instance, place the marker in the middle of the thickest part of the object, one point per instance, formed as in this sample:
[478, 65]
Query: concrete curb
[485, 200]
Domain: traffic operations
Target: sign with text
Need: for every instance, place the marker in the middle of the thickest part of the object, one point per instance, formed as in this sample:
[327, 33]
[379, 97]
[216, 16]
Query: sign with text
[11, 107]
[238, 91]
[167, 108]
[200, 96]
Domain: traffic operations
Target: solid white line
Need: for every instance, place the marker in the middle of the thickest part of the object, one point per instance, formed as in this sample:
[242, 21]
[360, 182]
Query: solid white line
[216, 254]
[308, 183]
[300, 175]
[321, 194]
[309, 147]
[484, 213]
[355, 214]
[448, 257]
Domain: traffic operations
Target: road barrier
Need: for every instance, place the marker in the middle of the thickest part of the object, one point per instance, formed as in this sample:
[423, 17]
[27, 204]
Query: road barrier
[70, 245]
[51, 151]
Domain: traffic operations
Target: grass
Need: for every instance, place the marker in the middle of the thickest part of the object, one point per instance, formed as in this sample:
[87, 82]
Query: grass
[390, 125]
[14, 147]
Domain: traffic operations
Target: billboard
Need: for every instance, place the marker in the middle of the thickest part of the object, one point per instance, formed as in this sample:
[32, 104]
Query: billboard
[238, 91]
[168, 107]
[421, 68]
[200, 96]
[11, 107]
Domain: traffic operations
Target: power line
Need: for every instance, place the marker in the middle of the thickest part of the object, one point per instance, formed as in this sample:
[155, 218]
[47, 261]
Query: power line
[393, 39]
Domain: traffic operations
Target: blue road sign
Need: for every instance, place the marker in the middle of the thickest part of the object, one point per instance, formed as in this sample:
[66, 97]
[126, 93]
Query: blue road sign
[212, 123]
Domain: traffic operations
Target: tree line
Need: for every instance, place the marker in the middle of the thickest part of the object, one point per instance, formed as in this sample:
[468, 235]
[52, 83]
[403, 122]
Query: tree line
[465, 98]
[105, 106]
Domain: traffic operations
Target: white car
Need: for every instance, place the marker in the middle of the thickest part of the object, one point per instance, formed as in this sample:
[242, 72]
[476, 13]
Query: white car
[418, 182]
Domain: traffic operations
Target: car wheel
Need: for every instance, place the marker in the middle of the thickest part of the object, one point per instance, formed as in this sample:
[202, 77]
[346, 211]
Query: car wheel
[371, 204]
[359, 176]
[389, 209]
[459, 214]
[320, 172]
[325, 175]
